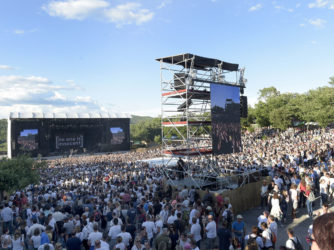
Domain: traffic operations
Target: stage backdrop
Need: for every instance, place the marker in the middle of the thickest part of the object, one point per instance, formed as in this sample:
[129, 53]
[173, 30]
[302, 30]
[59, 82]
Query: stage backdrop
[59, 136]
[225, 116]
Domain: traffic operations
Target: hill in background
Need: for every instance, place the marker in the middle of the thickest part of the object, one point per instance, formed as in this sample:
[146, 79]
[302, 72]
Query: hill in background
[136, 119]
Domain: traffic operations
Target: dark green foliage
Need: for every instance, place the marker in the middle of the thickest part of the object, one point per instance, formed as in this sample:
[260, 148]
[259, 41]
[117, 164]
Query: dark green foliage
[146, 130]
[331, 81]
[18, 173]
[284, 110]
[3, 136]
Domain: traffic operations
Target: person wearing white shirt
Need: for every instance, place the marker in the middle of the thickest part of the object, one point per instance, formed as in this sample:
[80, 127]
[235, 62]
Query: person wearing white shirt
[266, 235]
[7, 217]
[158, 225]
[94, 236]
[42, 247]
[211, 232]
[126, 237]
[192, 214]
[195, 231]
[164, 214]
[120, 245]
[171, 219]
[114, 230]
[262, 218]
[150, 227]
[290, 243]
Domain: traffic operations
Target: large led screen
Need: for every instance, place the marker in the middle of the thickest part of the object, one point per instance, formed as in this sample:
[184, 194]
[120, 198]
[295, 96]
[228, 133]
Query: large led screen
[225, 115]
[59, 136]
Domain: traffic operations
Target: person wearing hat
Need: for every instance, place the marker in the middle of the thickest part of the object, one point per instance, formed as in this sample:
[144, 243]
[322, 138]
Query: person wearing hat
[211, 232]
[238, 229]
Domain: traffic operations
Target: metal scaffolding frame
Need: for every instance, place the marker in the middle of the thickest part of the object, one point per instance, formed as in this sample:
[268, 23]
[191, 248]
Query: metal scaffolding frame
[186, 106]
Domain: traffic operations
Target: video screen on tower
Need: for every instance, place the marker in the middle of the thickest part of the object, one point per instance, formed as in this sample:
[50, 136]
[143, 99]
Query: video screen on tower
[225, 115]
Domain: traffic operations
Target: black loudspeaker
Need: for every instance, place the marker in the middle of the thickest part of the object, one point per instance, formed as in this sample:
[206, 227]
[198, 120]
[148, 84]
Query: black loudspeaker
[179, 81]
[243, 107]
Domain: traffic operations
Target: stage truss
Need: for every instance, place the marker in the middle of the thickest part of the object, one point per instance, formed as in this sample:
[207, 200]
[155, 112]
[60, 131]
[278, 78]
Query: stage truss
[186, 108]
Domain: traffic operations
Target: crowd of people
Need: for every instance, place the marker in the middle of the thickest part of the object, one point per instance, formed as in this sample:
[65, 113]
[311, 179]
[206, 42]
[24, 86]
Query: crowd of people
[117, 201]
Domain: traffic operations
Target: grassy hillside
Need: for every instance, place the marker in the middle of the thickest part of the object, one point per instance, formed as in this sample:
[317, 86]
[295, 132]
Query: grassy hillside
[3, 135]
[136, 119]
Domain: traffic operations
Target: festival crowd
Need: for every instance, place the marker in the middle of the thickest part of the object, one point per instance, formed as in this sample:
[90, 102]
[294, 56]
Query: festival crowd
[119, 202]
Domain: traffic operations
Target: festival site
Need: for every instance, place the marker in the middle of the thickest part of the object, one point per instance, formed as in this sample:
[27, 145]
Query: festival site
[166, 125]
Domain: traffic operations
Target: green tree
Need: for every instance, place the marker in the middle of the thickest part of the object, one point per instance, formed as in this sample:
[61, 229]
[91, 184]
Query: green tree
[146, 130]
[18, 173]
[251, 118]
[157, 139]
[331, 81]
[266, 93]
[262, 114]
[3, 135]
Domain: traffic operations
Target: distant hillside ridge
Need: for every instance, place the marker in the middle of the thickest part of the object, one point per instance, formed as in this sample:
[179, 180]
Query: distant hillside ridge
[137, 118]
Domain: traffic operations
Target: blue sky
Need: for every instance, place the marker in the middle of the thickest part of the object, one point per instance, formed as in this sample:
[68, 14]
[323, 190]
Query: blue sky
[116, 130]
[220, 93]
[27, 132]
[98, 55]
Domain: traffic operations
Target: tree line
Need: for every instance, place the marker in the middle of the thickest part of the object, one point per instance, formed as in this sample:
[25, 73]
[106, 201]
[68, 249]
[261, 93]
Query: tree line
[284, 110]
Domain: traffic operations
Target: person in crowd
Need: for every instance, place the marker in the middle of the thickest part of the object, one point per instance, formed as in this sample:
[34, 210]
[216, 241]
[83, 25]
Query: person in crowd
[266, 237]
[264, 194]
[254, 239]
[294, 200]
[293, 241]
[239, 230]
[224, 235]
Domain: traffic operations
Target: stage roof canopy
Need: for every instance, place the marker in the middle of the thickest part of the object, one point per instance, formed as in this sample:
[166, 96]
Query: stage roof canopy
[22, 115]
[199, 62]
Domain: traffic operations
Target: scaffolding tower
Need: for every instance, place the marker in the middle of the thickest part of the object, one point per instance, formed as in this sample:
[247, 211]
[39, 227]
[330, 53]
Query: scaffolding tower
[186, 107]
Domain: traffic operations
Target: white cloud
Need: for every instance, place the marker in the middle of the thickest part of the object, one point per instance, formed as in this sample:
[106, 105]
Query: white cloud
[18, 32]
[318, 4]
[283, 8]
[39, 94]
[331, 7]
[255, 7]
[22, 32]
[302, 25]
[129, 13]
[319, 23]
[74, 9]
[5, 67]
[164, 3]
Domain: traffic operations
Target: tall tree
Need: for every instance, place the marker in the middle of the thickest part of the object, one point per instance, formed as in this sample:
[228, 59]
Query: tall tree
[18, 173]
[266, 93]
[331, 81]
